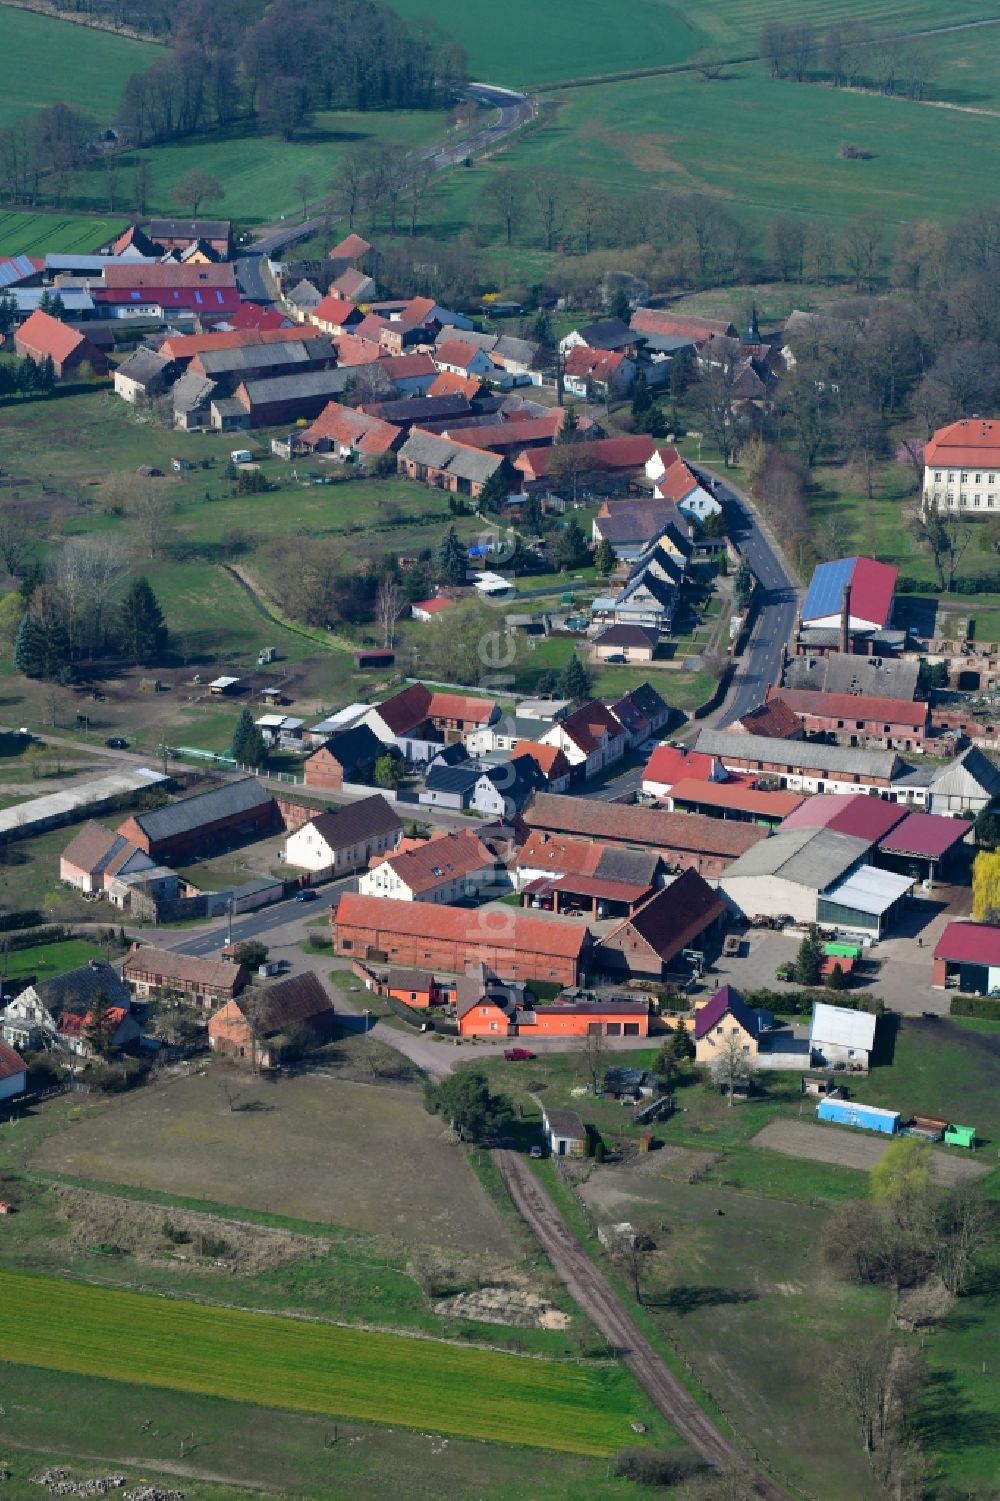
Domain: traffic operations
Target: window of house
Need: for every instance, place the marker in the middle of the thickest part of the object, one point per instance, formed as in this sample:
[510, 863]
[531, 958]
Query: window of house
[345, 943]
[719, 1031]
[484, 1011]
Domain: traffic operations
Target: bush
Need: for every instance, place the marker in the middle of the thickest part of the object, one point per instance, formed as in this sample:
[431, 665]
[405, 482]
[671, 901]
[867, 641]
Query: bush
[792, 1002]
[175, 1235]
[655, 1466]
[985, 1006]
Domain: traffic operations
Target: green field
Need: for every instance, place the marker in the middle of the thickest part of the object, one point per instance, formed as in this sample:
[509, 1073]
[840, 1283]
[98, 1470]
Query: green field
[256, 1358]
[27, 233]
[48, 60]
[50, 959]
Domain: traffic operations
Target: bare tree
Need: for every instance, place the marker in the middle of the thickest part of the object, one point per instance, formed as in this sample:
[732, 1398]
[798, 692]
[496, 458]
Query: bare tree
[733, 1062]
[859, 1375]
[149, 507]
[388, 604]
[551, 208]
[508, 198]
[708, 66]
[15, 540]
[967, 1221]
[346, 188]
[304, 188]
[861, 247]
[625, 1249]
[593, 1053]
[195, 188]
[420, 179]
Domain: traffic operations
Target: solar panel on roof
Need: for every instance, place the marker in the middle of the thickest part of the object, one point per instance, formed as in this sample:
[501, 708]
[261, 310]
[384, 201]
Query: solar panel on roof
[825, 593]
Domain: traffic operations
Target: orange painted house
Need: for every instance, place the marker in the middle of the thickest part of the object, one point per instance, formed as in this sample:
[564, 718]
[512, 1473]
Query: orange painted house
[487, 1017]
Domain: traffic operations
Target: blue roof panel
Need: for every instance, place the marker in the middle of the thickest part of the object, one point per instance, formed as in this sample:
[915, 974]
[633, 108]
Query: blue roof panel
[825, 594]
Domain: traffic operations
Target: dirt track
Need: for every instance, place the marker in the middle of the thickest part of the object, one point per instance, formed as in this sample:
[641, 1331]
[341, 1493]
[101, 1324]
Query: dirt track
[595, 1296]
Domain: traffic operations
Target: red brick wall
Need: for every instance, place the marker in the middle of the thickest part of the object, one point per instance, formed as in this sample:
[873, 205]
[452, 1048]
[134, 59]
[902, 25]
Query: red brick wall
[323, 770]
[260, 820]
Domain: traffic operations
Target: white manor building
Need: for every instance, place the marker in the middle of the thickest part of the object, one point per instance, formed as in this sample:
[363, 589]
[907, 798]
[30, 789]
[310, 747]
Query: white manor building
[962, 467]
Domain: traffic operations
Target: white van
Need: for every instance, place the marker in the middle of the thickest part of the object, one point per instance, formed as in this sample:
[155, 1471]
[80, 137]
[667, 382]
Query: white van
[241, 456]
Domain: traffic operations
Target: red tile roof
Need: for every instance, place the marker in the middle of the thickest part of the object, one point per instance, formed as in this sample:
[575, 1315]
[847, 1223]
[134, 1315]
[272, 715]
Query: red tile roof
[593, 364]
[739, 796]
[774, 719]
[851, 706]
[344, 425]
[677, 483]
[603, 453]
[407, 709]
[418, 311]
[435, 861]
[42, 335]
[690, 833]
[186, 346]
[456, 352]
[434, 606]
[963, 445]
[969, 943]
[550, 758]
[449, 383]
[505, 928]
[128, 274]
[354, 351]
[524, 431]
[647, 320]
[406, 366]
[589, 726]
[334, 310]
[675, 915]
[461, 706]
[252, 315]
[350, 248]
[671, 763]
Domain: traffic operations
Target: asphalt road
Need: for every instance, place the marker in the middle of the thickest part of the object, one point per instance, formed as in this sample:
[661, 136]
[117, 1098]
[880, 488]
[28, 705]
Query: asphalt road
[512, 111]
[289, 914]
[772, 630]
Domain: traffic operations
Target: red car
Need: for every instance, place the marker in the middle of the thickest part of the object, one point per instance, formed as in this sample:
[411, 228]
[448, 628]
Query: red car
[517, 1055]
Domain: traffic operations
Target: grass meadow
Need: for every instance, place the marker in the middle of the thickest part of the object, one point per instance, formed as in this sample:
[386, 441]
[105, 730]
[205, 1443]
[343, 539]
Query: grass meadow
[335, 1371]
[48, 60]
[24, 232]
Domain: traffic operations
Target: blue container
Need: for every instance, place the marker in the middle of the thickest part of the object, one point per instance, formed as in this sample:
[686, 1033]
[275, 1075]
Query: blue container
[864, 1117]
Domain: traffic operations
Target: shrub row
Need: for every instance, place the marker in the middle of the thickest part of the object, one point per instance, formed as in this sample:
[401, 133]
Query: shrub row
[31, 918]
[793, 1002]
[985, 1006]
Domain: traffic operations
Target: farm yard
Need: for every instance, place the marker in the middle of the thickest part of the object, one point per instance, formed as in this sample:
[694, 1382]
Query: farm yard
[310, 1367]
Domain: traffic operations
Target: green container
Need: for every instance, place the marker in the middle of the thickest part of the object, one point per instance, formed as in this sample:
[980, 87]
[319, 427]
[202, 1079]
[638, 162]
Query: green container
[842, 950]
[960, 1136]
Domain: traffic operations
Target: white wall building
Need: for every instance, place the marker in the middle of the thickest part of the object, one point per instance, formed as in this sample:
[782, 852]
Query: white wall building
[962, 467]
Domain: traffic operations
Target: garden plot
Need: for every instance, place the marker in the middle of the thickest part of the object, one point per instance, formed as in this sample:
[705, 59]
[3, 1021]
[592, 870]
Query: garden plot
[852, 1149]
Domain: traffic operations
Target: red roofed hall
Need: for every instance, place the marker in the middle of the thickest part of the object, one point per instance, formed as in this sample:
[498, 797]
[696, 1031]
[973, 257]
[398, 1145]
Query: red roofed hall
[967, 958]
[252, 315]
[650, 943]
[183, 347]
[773, 719]
[674, 763]
[735, 799]
[609, 455]
[514, 945]
[43, 337]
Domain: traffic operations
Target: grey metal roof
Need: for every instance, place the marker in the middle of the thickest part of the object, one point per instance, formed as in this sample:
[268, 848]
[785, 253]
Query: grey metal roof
[972, 770]
[633, 867]
[438, 453]
[95, 263]
[304, 294]
[813, 858]
[217, 362]
[204, 808]
[459, 779]
[75, 300]
[521, 351]
[194, 229]
[800, 755]
[298, 386]
[77, 990]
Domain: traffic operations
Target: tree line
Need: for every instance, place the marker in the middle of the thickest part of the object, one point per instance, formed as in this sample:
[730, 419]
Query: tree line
[849, 54]
[280, 64]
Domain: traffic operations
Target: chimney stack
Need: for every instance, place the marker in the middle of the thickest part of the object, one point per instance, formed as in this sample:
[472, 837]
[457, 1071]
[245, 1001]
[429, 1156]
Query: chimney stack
[845, 620]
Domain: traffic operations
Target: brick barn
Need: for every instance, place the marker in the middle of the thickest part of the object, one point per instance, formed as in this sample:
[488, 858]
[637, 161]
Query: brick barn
[252, 1027]
[43, 337]
[237, 810]
[514, 945]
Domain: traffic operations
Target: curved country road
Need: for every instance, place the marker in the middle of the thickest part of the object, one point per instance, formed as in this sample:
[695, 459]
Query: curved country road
[593, 1293]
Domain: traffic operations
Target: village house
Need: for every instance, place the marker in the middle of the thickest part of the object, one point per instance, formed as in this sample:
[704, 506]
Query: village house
[565, 874]
[675, 763]
[841, 1036]
[345, 839]
[626, 643]
[607, 334]
[609, 459]
[42, 337]
[56, 1015]
[642, 713]
[725, 1016]
[504, 786]
[425, 610]
[773, 719]
[597, 373]
[514, 945]
[353, 286]
[154, 972]
[348, 756]
[460, 358]
[631, 527]
[181, 349]
[418, 721]
[209, 820]
[487, 1007]
[591, 739]
[261, 1025]
[131, 288]
[13, 1073]
[550, 760]
[448, 869]
[335, 315]
[803, 766]
[414, 987]
[658, 939]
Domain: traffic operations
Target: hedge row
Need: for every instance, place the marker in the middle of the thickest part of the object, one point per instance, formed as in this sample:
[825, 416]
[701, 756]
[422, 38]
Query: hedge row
[10, 921]
[985, 1006]
[793, 1002]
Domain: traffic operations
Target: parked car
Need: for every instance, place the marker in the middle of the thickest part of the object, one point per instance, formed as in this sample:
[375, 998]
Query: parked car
[518, 1055]
[116, 742]
[785, 972]
[537, 1152]
[306, 895]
